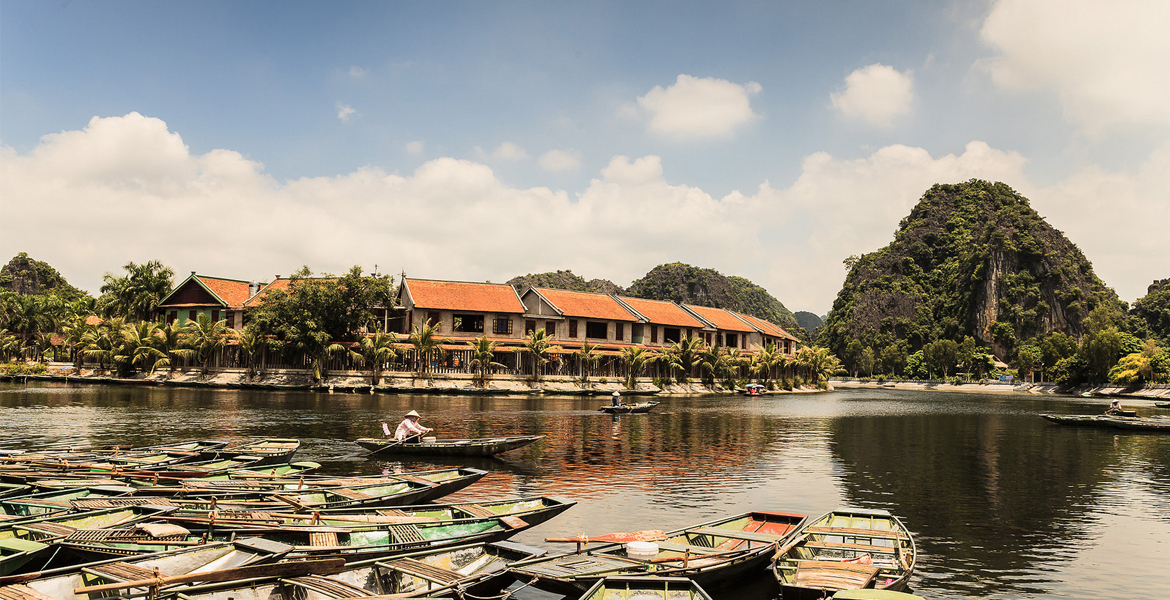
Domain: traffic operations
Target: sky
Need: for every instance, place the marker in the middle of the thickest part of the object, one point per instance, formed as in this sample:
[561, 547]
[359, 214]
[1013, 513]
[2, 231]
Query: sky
[483, 140]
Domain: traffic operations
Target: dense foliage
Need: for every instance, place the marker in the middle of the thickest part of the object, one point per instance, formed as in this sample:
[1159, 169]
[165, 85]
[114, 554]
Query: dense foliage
[1151, 313]
[565, 280]
[28, 277]
[136, 294]
[972, 271]
[314, 311]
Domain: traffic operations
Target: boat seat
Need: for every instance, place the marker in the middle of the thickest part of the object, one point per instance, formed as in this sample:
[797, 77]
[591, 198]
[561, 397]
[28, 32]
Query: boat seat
[763, 538]
[853, 531]
[476, 510]
[351, 494]
[323, 538]
[858, 547]
[48, 529]
[21, 592]
[392, 512]
[833, 575]
[405, 533]
[422, 570]
[119, 572]
[514, 522]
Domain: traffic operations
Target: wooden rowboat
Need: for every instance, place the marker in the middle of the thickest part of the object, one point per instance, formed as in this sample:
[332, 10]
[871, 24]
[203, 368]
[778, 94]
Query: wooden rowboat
[848, 548]
[468, 571]
[452, 447]
[270, 450]
[1156, 423]
[621, 409]
[712, 554]
[646, 588]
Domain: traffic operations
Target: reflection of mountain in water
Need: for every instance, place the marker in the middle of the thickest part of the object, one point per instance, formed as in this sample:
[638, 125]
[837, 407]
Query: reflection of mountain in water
[966, 485]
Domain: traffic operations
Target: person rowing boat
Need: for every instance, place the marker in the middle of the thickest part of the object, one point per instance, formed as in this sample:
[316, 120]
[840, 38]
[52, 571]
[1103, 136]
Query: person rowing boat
[408, 430]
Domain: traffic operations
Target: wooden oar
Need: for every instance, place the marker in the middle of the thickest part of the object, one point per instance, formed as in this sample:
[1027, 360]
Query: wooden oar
[381, 448]
[328, 566]
[649, 535]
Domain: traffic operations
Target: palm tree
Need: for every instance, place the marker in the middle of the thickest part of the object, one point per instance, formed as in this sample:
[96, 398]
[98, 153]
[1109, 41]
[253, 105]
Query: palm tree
[589, 356]
[10, 345]
[683, 355]
[817, 363]
[141, 345]
[74, 334]
[376, 351]
[137, 293]
[635, 360]
[168, 339]
[103, 342]
[712, 363]
[483, 353]
[249, 344]
[538, 346]
[28, 318]
[426, 344]
[207, 337]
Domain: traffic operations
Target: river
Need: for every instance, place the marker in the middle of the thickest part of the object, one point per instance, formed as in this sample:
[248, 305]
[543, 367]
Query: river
[1002, 504]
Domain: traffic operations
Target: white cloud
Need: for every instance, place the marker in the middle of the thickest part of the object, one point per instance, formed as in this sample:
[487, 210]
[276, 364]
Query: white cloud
[560, 160]
[509, 151]
[875, 94]
[699, 107]
[345, 112]
[357, 72]
[126, 188]
[415, 147]
[1109, 62]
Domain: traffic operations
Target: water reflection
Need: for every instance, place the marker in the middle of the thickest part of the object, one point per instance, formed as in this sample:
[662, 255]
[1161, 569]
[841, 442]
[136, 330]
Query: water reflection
[1003, 504]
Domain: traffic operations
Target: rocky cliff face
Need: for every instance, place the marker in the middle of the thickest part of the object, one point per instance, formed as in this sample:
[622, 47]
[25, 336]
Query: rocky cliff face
[970, 259]
[565, 280]
[26, 276]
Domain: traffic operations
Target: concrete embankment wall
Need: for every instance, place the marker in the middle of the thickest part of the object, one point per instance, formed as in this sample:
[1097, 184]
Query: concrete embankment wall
[1153, 392]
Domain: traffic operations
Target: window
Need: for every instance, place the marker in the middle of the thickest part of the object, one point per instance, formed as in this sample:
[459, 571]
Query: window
[550, 328]
[671, 334]
[502, 325]
[653, 334]
[529, 327]
[214, 316]
[193, 315]
[732, 340]
[468, 323]
[432, 318]
[619, 331]
[596, 330]
[573, 328]
[171, 316]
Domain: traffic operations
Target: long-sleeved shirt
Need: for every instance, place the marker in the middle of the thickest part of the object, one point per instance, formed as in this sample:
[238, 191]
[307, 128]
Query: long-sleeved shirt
[408, 427]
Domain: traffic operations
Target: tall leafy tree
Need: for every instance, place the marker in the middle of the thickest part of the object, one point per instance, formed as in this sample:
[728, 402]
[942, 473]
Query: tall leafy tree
[682, 356]
[169, 339]
[427, 345]
[136, 294]
[538, 346]
[636, 359]
[588, 356]
[376, 351]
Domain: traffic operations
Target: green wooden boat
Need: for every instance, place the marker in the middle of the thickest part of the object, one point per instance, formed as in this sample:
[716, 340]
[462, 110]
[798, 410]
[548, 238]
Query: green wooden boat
[467, 571]
[366, 541]
[60, 582]
[848, 548]
[452, 447]
[1154, 423]
[712, 554]
[16, 553]
[271, 450]
[518, 513]
[646, 588]
[45, 528]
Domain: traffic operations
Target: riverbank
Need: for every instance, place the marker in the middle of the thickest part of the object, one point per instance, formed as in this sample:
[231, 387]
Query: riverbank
[448, 383]
[1155, 392]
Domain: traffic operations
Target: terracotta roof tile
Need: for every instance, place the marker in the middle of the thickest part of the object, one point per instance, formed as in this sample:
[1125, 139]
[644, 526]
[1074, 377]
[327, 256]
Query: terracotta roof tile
[663, 313]
[279, 284]
[231, 291]
[769, 327]
[587, 305]
[722, 319]
[460, 295]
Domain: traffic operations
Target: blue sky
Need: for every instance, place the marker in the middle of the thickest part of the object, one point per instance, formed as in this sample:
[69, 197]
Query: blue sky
[484, 140]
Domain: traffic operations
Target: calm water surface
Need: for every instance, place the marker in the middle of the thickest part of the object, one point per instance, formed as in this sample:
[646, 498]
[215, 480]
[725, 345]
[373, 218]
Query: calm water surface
[1002, 503]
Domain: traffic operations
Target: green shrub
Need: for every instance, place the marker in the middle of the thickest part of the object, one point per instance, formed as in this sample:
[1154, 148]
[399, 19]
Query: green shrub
[22, 368]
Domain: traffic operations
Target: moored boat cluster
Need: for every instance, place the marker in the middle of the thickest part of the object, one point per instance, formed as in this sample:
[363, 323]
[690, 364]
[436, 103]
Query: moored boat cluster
[207, 520]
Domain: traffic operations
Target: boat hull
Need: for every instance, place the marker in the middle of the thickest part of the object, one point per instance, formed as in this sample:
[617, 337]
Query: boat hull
[469, 447]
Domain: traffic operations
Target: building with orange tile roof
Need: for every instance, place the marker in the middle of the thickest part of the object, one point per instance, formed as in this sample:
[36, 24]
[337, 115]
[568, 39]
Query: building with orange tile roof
[666, 322]
[569, 316]
[771, 333]
[731, 330]
[462, 308]
[218, 297]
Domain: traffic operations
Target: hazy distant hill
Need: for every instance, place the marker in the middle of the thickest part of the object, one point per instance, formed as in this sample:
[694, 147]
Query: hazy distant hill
[809, 321]
[970, 259]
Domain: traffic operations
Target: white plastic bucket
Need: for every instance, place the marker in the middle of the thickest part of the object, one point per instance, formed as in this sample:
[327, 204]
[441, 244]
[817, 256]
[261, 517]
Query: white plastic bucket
[429, 440]
[642, 550]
